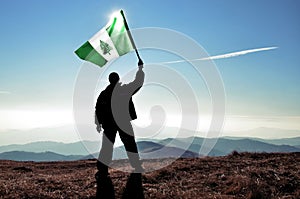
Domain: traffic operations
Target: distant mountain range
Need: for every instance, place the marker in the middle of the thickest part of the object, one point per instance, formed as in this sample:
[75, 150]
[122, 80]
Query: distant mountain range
[225, 146]
[38, 157]
[76, 148]
[177, 147]
[151, 150]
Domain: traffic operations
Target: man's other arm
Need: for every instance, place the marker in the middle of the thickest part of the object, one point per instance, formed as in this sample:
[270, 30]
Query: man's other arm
[98, 113]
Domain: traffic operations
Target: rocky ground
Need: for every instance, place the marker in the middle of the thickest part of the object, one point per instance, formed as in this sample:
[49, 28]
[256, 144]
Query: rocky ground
[239, 175]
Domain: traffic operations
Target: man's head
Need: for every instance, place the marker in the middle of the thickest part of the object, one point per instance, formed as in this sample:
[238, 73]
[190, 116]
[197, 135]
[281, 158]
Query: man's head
[113, 78]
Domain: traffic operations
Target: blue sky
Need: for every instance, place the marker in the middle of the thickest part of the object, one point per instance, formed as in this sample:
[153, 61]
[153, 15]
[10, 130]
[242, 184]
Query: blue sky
[38, 38]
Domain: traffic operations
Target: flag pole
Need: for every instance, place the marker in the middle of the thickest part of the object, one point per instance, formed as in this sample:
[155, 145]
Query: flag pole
[131, 38]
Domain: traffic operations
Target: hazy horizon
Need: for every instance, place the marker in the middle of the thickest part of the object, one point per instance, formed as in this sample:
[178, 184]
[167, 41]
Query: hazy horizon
[70, 135]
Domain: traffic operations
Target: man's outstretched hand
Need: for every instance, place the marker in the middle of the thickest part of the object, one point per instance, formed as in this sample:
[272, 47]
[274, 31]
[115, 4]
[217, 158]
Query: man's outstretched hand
[140, 64]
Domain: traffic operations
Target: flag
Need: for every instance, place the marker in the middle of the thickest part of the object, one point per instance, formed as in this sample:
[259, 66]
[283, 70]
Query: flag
[109, 43]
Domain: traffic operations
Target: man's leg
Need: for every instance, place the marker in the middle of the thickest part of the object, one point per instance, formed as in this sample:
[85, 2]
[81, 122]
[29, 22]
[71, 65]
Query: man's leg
[105, 156]
[130, 146]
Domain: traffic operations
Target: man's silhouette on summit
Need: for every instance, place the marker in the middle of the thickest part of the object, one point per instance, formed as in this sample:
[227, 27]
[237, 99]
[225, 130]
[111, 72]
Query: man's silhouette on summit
[114, 112]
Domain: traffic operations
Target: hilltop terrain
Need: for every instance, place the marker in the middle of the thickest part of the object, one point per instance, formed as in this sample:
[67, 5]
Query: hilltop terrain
[238, 175]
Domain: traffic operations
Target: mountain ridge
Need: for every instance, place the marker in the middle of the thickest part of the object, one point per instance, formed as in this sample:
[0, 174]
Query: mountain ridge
[169, 147]
[37, 157]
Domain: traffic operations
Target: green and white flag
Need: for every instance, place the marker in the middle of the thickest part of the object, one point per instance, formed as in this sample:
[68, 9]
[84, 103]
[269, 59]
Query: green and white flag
[109, 43]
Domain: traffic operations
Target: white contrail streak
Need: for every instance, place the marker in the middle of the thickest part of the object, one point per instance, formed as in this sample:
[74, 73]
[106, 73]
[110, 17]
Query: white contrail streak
[223, 56]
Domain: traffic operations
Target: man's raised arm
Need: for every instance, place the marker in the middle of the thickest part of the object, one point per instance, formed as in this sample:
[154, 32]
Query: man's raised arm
[138, 82]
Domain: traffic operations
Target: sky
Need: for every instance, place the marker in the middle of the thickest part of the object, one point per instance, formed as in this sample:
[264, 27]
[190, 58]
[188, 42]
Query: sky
[39, 68]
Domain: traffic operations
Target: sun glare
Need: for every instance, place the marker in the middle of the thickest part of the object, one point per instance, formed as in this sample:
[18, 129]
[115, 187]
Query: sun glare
[119, 20]
[27, 119]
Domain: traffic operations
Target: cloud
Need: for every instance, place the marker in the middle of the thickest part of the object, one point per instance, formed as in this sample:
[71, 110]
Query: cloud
[224, 56]
[5, 92]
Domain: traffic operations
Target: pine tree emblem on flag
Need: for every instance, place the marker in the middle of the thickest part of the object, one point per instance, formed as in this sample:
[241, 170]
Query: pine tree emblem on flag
[111, 42]
[105, 47]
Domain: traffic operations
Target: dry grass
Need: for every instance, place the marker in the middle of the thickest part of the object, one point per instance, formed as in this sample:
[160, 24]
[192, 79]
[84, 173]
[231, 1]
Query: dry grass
[245, 175]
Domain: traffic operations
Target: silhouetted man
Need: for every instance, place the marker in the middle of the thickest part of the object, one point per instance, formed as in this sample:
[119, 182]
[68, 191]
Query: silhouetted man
[114, 112]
